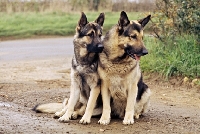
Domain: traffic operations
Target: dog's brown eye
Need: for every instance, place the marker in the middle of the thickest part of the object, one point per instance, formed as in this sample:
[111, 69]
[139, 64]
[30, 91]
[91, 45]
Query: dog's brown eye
[133, 36]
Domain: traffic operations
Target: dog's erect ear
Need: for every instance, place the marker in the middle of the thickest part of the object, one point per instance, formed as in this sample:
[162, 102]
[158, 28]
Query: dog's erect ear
[83, 20]
[144, 21]
[100, 19]
[123, 20]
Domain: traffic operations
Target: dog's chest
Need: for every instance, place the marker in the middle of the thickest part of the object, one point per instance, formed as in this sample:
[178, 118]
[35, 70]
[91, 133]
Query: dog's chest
[119, 85]
[118, 88]
[121, 68]
[118, 93]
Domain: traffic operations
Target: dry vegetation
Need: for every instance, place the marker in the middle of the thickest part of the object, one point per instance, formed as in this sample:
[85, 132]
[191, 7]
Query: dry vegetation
[75, 5]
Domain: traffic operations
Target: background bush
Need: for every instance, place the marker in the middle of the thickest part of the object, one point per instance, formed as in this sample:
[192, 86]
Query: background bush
[176, 24]
[173, 18]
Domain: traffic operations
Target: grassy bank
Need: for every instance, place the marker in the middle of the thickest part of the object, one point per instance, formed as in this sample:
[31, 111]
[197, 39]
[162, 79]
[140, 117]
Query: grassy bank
[180, 58]
[23, 25]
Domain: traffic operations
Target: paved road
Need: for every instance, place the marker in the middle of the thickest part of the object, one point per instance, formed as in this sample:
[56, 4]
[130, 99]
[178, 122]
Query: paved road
[35, 48]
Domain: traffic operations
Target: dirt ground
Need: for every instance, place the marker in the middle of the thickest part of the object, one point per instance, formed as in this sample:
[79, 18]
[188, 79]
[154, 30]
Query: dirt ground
[175, 108]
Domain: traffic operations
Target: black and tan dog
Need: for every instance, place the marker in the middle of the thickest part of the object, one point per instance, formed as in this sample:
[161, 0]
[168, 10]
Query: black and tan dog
[85, 81]
[123, 92]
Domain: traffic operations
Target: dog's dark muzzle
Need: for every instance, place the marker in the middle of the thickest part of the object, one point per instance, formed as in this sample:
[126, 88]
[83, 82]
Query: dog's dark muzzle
[136, 54]
[144, 51]
[95, 48]
[100, 47]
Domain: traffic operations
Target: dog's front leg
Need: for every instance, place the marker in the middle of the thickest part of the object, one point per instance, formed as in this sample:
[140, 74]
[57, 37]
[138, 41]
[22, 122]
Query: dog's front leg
[131, 100]
[94, 93]
[105, 117]
[73, 99]
[62, 112]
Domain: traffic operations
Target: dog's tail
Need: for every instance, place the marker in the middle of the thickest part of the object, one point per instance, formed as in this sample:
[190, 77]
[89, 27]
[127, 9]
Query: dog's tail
[50, 108]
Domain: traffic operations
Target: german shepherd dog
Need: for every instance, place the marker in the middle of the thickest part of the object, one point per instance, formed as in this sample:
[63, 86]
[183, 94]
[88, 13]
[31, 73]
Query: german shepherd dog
[123, 92]
[85, 81]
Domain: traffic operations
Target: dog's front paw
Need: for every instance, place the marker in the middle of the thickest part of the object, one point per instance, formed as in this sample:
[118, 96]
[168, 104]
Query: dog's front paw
[84, 120]
[75, 115]
[104, 120]
[105, 117]
[59, 114]
[128, 121]
[65, 118]
[129, 118]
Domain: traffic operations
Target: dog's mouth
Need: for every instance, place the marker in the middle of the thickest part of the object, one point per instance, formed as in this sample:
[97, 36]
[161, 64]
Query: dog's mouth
[134, 56]
[137, 57]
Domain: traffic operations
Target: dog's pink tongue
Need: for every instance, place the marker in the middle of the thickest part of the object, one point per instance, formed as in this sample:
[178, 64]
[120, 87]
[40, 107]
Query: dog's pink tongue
[137, 57]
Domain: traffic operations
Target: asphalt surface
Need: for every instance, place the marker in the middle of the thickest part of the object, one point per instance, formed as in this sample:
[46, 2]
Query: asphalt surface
[29, 49]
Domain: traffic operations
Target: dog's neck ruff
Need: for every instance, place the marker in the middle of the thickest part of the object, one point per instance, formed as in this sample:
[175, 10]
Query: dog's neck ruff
[87, 59]
[86, 66]
[118, 67]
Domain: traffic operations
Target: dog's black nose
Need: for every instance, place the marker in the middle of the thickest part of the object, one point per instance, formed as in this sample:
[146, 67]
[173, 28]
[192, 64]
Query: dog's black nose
[144, 51]
[100, 46]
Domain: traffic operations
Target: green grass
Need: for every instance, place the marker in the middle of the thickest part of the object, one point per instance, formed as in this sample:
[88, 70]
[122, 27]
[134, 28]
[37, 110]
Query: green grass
[28, 24]
[23, 25]
[180, 58]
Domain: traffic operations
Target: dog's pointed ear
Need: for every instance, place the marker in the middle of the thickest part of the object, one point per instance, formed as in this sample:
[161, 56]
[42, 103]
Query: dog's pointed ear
[144, 21]
[123, 20]
[83, 20]
[100, 19]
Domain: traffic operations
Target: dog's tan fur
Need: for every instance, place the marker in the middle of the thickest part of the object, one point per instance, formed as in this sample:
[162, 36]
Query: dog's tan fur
[120, 73]
[85, 81]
